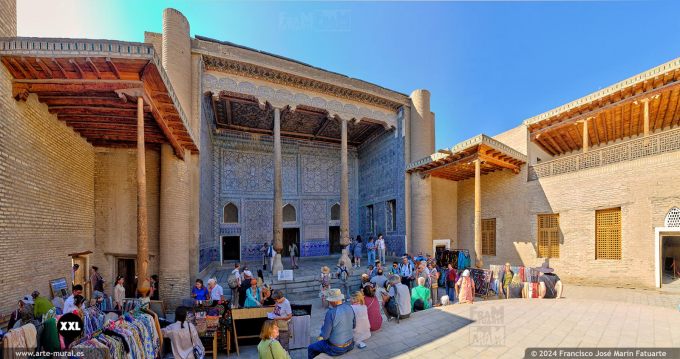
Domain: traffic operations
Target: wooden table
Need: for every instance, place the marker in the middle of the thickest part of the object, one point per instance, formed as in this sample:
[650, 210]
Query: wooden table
[214, 343]
[247, 313]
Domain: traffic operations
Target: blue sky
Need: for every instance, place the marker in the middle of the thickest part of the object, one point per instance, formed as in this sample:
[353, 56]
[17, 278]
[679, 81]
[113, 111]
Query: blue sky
[489, 65]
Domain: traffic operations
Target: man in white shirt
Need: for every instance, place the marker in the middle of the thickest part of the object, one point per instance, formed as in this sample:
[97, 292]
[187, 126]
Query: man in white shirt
[380, 244]
[216, 291]
[69, 304]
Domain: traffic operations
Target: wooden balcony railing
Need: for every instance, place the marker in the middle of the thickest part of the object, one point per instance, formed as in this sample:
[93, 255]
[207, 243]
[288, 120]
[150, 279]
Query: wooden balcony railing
[662, 142]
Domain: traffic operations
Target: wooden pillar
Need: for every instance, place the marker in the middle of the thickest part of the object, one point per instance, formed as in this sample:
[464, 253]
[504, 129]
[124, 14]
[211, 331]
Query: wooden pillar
[344, 194]
[278, 194]
[478, 214]
[142, 216]
[646, 116]
[585, 135]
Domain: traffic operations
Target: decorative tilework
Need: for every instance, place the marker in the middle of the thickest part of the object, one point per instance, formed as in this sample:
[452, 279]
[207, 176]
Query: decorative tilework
[315, 248]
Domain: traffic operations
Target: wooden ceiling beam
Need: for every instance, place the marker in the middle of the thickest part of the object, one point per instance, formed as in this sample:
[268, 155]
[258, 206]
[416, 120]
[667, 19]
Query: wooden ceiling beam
[29, 67]
[86, 101]
[18, 66]
[499, 163]
[636, 96]
[160, 119]
[73, 86]
[93, 67]
[113, 67]
[92, 110]
[46, 69]
[61, 68]
[75, 65]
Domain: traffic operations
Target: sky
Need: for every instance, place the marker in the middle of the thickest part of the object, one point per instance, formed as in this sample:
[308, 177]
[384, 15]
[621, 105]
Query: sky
[488, 65]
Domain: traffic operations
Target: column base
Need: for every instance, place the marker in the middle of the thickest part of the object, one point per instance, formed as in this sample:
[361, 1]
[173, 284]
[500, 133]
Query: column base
[278, 266]
[344, 258]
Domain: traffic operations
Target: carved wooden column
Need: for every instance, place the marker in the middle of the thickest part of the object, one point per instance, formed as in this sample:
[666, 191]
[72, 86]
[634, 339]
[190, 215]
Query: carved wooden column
[478, 214]
[585, 135]
[278, 195]
[142, 216]
[344, 196]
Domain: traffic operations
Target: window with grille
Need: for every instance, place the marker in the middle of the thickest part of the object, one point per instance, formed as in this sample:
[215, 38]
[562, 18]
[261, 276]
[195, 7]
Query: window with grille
[369, 218]
[391, 215]
[608, 233]
[489, 237]
[548, 235]
[230, 213]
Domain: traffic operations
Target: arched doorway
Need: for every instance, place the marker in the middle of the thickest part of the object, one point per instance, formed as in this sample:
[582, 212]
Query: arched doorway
[667, 256]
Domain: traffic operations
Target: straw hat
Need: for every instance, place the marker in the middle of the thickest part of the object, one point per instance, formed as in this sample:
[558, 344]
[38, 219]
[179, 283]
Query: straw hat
[334, 295]
[325, 269]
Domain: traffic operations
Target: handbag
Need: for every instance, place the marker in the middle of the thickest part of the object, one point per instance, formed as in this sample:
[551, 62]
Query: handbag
[199, 351]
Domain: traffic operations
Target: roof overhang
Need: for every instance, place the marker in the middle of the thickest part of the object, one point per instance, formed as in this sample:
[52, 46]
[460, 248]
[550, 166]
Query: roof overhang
[91, 85]
[457, 163]
[241, 112]
[613, 113]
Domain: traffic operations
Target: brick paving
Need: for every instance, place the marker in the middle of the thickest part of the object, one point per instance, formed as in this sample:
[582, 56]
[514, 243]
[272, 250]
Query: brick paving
[585, 317]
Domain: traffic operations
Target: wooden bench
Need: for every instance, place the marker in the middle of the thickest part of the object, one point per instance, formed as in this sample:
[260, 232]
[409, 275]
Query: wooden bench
[247, 313]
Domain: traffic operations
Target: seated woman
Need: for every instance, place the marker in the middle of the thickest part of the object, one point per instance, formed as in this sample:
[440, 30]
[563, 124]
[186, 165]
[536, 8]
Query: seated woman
[269, 347]
[362, 329]
[373, 308]
[253, 295]
[420, 296]
[267, 299]
[199, 292]
[183, 335]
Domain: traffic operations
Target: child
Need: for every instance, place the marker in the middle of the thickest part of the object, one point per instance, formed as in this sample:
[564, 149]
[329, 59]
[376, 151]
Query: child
[325, 280]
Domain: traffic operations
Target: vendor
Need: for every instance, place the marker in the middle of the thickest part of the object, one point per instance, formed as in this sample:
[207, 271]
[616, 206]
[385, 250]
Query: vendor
[253, 295]
[199, 292]
[23, 314]
[216, 291]
[282, 314]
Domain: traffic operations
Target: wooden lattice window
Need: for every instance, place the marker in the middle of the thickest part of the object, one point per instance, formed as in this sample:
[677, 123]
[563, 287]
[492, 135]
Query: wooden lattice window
[608, 233]
[489, 237]
[548, 235]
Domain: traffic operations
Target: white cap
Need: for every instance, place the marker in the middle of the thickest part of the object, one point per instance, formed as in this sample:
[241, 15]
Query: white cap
[466, 273]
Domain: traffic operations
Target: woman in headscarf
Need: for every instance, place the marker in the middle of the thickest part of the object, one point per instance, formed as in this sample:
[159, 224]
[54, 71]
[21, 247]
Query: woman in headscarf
[465, 288]
[253, 295]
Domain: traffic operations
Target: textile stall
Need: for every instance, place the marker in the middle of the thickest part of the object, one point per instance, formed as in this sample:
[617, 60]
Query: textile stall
[134, 334]
[527, 275]
[458, 258]
[212, 324]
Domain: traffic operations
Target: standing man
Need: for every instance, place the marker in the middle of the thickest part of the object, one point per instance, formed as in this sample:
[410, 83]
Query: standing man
[265, 254]
[381, 248]
[234, 282]
[69, 303]
[406, 272]
[337, 333]
[215, 290]
[271, 253]
[370, 250]
[97, 282]
[293, 249]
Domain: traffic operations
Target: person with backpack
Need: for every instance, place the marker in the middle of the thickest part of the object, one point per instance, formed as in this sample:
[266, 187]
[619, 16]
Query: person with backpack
[234, 282]
[343, 274]
[183, 337]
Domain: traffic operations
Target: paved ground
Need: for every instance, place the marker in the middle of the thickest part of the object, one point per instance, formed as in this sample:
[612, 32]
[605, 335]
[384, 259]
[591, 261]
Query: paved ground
[585, 317]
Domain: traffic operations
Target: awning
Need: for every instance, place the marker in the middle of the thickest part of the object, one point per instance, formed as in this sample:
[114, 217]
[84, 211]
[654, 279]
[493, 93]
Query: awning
[457, 163]
[91, 84]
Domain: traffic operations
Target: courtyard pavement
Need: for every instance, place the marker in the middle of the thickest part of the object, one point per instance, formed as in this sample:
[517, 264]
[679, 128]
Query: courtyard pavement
[585, 317]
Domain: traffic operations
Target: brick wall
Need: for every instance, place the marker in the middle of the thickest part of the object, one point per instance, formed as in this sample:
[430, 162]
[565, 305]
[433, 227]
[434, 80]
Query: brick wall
[444, 210]
[46, 196]
[116, 209]
[8, 18]
[645, 189]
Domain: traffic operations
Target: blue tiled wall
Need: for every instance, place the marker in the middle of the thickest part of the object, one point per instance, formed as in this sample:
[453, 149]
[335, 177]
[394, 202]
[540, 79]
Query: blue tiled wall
[237, 167]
